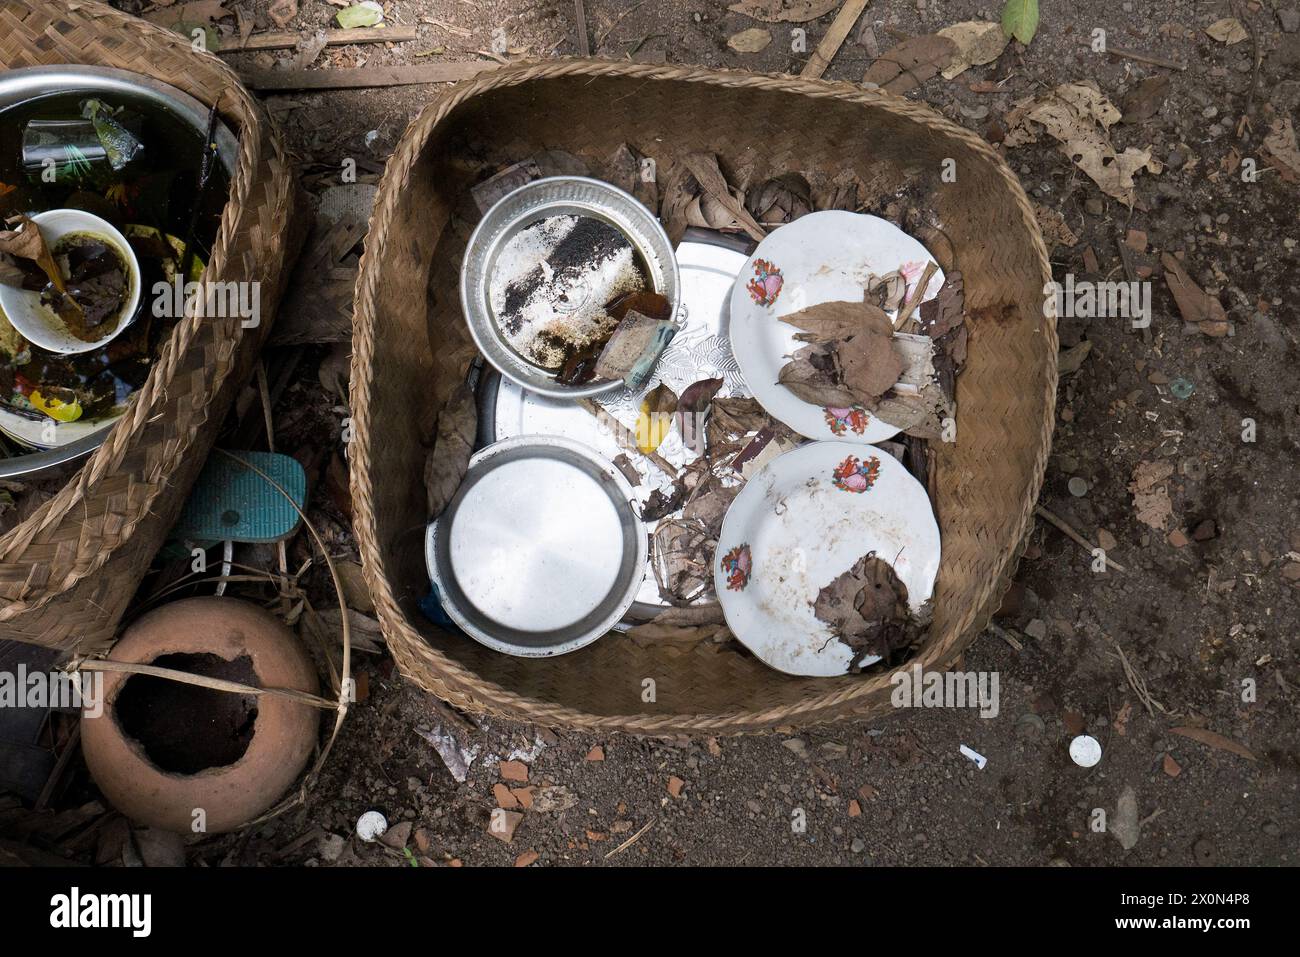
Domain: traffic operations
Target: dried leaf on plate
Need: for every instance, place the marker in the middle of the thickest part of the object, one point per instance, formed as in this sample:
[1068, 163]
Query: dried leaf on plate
[831, 321]
[453, 444]
[784, 11]
[866, 608]
[910, 63]
[811, 374]
[869, 366]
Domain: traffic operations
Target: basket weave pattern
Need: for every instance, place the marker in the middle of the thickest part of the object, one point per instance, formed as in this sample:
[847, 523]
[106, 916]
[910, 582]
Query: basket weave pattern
[986, 483]
[68, 572]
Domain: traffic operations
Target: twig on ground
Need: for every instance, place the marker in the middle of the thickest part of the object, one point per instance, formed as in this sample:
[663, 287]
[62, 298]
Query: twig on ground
[1070, 533]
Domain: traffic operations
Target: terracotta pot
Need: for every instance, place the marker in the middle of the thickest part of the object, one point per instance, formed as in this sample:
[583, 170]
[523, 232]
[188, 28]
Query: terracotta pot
[161, 750]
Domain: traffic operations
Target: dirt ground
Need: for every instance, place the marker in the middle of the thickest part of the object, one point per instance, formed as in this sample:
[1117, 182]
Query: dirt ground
[1195, 619]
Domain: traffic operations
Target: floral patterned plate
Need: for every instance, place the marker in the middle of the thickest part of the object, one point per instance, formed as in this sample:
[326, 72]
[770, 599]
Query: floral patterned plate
[798, 525]
[829, 256]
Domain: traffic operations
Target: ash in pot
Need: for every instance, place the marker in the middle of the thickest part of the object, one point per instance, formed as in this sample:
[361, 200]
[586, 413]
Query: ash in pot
[552, 282]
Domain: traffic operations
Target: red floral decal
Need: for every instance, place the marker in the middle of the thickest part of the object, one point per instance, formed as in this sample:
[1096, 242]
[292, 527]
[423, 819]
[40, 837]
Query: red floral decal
[841, 420]
[736, 563]
[853, 475]
[766, 284]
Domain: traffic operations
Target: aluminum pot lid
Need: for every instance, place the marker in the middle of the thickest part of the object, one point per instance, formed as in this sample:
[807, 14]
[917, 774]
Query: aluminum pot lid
[540, 552]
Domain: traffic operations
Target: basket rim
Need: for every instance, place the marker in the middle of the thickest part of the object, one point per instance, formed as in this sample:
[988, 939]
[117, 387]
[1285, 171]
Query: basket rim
[469, 690]
[241, 112]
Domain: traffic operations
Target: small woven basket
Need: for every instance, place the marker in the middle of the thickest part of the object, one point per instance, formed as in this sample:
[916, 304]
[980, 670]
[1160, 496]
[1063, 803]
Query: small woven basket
[411, 348]
[68, 572]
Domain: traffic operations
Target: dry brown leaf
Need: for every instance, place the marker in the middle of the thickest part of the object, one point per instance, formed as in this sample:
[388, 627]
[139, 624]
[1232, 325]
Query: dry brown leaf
[750, 41]
[978, 42]
[910, 63]
[1215, 740]
[829, 321]
[1150, 494]
[1144, 99]
[1194, 304]
[1078, 116]
[1281, 144]
[870, 366]
[1228, 30]
[784, 11]
[704, 167]
[1055, 230]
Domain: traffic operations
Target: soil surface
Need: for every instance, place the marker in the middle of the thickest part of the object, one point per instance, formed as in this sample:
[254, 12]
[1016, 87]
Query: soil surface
[1205, 613]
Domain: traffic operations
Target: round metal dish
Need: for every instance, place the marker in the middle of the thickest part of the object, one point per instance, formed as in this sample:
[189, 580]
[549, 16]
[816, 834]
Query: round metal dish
[30, 83]
[554, 196]
[540, 552]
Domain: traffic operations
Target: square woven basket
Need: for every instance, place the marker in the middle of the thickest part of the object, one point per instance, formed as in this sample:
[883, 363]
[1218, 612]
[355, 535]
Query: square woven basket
[411, 347]
[68, 572]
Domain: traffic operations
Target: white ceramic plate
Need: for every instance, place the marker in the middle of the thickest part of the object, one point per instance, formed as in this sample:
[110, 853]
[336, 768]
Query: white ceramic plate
[822, 257]
[798, 525]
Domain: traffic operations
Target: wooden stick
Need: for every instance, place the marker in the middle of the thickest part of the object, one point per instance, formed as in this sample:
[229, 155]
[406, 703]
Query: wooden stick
[834, 39]
[580, 14]
[1146, 58]
[918, 294]
[288, 39]
[362, 77]
[1071, 534]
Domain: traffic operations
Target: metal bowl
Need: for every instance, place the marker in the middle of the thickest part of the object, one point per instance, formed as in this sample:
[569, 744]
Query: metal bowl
[554, 196]
[540, 552]
[29, 83]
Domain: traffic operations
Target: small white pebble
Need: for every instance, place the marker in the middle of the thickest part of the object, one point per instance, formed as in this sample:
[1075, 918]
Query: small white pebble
[1085, 751]
[371, 826]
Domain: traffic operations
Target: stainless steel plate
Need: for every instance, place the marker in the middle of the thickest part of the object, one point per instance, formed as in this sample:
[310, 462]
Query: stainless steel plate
[709, 264]
[540, 552]
[554, 196]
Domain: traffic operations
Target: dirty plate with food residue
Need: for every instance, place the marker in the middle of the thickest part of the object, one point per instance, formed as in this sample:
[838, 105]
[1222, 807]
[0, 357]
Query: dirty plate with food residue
[831, 256]
[826, 558]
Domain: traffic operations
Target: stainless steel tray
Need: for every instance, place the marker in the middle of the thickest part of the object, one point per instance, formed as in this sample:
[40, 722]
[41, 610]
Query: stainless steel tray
[708, 262]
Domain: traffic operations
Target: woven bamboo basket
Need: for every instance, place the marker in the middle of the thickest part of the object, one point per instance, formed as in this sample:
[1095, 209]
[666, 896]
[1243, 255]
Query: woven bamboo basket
[69, 571]
[411, 347]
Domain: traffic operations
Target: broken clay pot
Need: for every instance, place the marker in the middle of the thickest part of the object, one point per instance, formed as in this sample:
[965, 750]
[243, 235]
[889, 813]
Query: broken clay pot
[185, 758]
